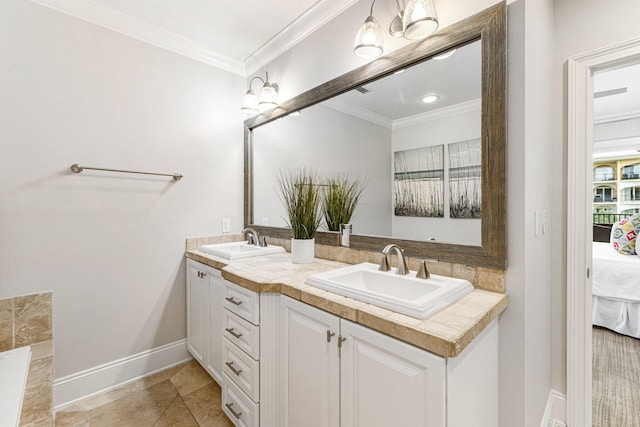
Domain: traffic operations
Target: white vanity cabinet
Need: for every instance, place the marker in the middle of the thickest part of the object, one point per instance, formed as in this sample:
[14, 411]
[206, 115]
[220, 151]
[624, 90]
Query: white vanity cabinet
[205, 287]
[371, 379]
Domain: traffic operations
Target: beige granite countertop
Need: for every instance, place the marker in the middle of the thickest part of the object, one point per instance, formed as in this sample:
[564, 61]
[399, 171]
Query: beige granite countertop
[446, 333]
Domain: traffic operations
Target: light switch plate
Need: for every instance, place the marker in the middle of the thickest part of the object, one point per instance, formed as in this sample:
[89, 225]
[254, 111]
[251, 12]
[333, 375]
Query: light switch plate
[226, 225]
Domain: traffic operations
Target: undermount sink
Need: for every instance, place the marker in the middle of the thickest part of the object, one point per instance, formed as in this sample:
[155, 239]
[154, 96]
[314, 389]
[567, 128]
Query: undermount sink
[406, 294]
[237, 250]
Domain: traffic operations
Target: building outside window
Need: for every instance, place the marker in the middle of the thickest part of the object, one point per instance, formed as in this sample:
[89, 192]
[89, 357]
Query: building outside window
[604, 194]
[631, 171]
[603, 173]
[630, 194]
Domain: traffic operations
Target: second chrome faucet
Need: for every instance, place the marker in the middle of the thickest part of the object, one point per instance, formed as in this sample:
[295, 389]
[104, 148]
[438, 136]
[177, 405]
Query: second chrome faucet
[402, 263]
[423, 272]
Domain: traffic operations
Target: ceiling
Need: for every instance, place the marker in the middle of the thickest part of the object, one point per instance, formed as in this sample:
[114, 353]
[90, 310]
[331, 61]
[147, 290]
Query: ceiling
[240, 36]
[616, 112]
[231, 28]
[616, 106]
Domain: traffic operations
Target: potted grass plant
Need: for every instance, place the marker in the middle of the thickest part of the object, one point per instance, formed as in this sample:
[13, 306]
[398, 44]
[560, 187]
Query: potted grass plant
[300, 195]
[341, 195]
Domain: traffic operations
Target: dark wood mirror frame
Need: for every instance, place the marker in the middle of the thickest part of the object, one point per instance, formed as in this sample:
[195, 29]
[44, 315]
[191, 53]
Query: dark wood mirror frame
[489, 26]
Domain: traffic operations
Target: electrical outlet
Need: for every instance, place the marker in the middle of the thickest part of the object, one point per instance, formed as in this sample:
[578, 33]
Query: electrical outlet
[226, 225]
[265, 220]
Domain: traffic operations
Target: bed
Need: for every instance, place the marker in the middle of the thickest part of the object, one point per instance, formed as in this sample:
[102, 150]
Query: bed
[616, 290]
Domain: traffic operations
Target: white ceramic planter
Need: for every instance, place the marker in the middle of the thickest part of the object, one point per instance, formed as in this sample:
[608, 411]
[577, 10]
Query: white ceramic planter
[302, 250]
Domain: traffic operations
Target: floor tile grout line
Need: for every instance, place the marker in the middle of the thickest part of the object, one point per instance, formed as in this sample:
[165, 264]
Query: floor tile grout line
[167, 408]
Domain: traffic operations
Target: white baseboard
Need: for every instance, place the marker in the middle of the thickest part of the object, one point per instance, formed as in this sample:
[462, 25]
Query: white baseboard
[555, 413]
[74, 387]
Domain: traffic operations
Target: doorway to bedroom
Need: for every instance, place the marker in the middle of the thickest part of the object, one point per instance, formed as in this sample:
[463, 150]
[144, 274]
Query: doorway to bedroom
[615, 262]
[580, 221]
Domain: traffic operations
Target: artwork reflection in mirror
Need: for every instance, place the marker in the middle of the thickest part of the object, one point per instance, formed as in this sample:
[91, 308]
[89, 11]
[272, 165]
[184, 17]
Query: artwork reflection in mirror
[360, 132]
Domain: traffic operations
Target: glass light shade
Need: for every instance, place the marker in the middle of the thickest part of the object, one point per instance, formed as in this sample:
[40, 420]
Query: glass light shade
[268, 97]
[420, 19]
[250, 103]
[368, 42]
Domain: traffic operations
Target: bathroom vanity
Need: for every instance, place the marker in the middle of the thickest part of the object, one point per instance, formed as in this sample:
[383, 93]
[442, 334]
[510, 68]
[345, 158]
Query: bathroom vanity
[290, 354]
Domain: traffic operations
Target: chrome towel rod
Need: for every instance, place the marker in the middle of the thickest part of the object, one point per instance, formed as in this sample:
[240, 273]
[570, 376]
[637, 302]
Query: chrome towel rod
[77, 169]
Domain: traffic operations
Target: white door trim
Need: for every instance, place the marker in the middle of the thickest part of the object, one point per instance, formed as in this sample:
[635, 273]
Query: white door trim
[579, 224]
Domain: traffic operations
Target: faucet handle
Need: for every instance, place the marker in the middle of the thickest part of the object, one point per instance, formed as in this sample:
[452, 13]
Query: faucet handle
[384, 264]
[263, 241]
[423, 271]
[250, 240]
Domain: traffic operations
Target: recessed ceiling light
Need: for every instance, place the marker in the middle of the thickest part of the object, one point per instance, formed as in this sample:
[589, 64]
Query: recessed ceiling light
[400, 71]
[430, 98]
[295, 113]
[444, 55]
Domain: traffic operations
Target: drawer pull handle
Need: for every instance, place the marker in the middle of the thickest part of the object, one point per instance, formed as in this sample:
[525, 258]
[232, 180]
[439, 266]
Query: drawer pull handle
[234, 370]
[233, 332]
[233, 301]
[235, 414]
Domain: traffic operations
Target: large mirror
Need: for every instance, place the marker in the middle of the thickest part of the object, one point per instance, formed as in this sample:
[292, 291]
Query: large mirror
[372, 125]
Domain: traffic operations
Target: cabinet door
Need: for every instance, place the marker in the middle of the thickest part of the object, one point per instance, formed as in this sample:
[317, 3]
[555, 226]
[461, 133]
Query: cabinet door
[309, 366]
[216, 296]
[386, 382]
[197, 322]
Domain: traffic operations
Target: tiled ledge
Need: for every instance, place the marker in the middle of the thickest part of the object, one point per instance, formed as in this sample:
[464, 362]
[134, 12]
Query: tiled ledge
[446, 333]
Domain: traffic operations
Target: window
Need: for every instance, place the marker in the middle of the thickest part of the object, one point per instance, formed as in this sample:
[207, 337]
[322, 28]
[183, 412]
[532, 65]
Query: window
[629, 212]
[631, 171]
[631, 194]
[604, 194]
[603, 173]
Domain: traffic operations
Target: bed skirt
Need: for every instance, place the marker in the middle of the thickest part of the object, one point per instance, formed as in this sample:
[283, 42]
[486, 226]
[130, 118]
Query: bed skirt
[622, 316]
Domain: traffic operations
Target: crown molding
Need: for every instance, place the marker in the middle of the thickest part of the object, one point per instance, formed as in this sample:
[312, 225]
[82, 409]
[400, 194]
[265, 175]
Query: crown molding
[315, 17]
[463, 107]
[361, 113]
[114, 20]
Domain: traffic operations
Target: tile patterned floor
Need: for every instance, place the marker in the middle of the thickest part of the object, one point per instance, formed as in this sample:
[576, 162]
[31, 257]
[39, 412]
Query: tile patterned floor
[183, 396]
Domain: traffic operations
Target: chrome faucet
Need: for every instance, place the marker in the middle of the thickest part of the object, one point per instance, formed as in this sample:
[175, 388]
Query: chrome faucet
[402, 263]
[254, 237]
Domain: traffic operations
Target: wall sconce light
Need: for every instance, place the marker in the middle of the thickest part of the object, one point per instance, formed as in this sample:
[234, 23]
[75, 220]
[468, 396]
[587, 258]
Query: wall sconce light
[417, 20]
[267, 96]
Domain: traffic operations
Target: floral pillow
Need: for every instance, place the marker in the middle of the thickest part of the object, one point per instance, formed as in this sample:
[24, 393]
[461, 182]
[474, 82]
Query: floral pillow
[624, 234]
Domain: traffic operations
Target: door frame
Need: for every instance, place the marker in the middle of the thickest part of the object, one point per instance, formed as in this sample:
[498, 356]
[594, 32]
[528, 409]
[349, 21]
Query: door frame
[580, 71]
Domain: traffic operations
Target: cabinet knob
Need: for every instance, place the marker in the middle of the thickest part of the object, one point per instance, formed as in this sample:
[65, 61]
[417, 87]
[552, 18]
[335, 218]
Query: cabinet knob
[230, 408]
[233, 332]
[329, 335]
[234, 370]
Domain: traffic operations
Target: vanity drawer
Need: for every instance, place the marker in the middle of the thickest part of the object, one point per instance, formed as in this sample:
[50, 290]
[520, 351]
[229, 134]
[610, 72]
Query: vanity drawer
[243, 302]
[242, 369]
[239, 408]
[241, 333]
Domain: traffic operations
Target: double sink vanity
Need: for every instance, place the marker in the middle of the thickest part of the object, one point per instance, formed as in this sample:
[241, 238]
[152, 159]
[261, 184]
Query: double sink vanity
[338, 342]
[313, 344]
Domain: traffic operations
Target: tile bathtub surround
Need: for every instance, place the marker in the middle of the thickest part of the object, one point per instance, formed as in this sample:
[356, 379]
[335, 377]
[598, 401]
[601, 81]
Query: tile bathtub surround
[446, 333]
[184, 395]
[27, 320]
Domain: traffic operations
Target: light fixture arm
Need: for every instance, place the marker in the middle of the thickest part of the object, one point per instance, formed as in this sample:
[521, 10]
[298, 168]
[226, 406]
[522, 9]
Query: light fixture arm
[252, 79]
